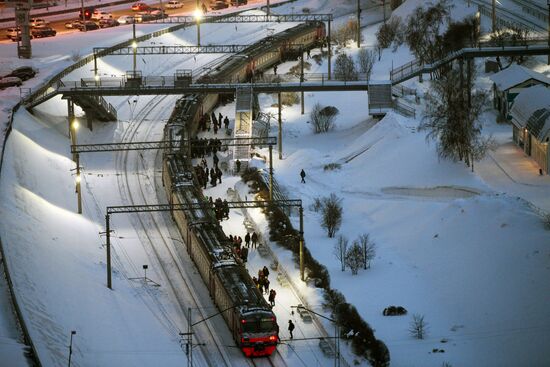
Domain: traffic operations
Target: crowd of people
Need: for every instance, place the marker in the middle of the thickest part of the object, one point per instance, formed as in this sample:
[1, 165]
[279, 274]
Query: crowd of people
[203, 147]
[206, 175]
[207, 122]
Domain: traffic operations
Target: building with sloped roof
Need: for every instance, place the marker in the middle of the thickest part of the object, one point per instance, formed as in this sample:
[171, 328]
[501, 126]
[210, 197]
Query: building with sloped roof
[530, 117]
[508, 83]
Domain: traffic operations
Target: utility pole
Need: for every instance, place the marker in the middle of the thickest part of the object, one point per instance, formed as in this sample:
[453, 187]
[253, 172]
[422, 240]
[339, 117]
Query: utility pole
[280, 138]
[198, 19]
[494, 15]
[78, 187]
[271, 172]
[548, 3]
[134, 46]
[83, 16]
[108, 234]
[71, 347]
[302, 75]
[359, 23]
[329, 50]
[301, 210]
[268, 9]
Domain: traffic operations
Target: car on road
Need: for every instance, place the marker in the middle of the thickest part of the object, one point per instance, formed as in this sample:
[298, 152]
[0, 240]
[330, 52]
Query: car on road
[10, 81]
[218, 5]
[144, 17]
[98, 15]
[106, 23]
[43, 31]
[88, 26]
[13, 33]
[174, 4]
[37, 22]
[238, 2]
[73, 24]
[23, 73]
[140, 7]
[126, 19]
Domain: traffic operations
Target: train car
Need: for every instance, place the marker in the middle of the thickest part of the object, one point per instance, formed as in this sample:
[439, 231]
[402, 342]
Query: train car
[262, 55]
[247, 314]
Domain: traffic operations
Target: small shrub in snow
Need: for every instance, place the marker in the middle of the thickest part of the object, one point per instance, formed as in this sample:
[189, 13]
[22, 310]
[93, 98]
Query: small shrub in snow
[418, 327]
[290, 98]
[394, 311]
[332, 166]
[322, 118]
[317, 204]
[75, 56]
[388, 32]
[332, 214]
[369, 249]
[354, 258]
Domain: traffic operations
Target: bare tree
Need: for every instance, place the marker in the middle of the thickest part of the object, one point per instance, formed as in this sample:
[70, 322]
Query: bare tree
[390, 32]
[451, 118]
[369, 249]
[345, 32]
[423, 32]
[344, 68]
[355, 257]
[511, 36]
[365, 60]
[332, 214]
[418, 327]
[322, 118]
[340, 250]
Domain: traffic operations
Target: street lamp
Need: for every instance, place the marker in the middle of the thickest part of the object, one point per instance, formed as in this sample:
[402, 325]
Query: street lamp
[71, 347]
[198, 15]
[336, 331]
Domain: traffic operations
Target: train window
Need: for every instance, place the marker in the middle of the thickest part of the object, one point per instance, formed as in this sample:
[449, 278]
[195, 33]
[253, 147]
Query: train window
[258, 325]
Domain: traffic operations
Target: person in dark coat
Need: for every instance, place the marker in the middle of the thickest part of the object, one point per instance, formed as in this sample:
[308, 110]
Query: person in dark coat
[247, 239]
[219, 174]
[266, 271]
[271, 297]
[215, 159]
[226, 122]
[266, 283]
[244, 254]
[238, 165]
[212, 177]
[220, 118]
[290, 328]
[303, 176]
[254, 239]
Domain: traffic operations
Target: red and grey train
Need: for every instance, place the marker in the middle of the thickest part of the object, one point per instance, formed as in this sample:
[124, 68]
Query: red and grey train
[249, 317]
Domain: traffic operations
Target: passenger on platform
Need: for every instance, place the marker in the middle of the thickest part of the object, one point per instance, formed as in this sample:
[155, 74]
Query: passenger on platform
[254, 239]
[215, 159]
[238, 165]
[219, 174]
[266, 284]
[247, 239]
[255, 280]
[271, 298]
[265, 270]
[226, 122]
[213, 177]
[244, 254]
[220, 118]
[225, 209]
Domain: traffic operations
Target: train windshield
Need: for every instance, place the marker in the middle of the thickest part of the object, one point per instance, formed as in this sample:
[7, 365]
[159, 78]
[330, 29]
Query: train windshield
[258, 324]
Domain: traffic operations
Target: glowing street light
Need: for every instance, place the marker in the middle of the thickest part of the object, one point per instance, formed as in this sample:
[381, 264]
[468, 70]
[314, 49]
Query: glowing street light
[198, 15]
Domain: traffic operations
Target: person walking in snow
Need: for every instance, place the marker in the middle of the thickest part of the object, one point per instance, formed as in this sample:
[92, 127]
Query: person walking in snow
[226, 122]
[303, 176]
[265, 271]
[290, 328]
[247, 239]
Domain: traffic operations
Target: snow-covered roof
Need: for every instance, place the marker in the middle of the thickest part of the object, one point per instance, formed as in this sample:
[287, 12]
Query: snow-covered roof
[514, 75]
[531, 110]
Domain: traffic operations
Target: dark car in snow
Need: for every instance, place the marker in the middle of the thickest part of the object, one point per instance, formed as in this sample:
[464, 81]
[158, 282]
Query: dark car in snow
[23, 73]
[44, 31]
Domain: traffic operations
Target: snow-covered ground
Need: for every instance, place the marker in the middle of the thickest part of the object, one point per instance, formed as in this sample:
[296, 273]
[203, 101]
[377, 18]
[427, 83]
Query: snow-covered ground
[465, 249]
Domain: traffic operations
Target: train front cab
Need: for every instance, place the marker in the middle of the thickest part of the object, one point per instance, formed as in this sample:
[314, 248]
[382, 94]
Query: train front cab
[258, 334]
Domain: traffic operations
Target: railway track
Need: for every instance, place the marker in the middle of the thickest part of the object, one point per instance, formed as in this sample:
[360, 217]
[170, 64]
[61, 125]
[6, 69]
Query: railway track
[155, 242]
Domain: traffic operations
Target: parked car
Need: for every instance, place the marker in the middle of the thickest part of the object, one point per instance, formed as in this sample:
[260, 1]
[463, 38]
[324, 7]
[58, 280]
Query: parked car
[106, 23]
[126, 19]
[144, 17]
[88, 26]
[23, 73]
[37, 22]
[43, 31]
[174, 4]
[10, 81]
[98, 15]
[72, 24]
[13, 33]
[140, 7]
[218, 5]
[238, 2]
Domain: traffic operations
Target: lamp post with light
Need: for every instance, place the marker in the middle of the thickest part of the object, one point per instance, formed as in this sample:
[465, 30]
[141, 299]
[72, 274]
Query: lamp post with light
[198, 16]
